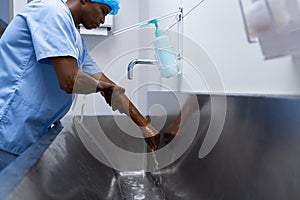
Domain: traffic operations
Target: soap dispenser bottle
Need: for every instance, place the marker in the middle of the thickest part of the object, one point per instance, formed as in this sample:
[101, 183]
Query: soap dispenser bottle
[164, 52]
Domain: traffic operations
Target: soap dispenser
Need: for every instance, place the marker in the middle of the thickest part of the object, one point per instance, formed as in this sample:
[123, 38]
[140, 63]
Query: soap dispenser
[164, 52]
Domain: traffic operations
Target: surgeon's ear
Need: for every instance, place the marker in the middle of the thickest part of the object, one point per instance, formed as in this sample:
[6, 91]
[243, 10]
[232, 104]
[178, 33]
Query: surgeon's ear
[83, 1]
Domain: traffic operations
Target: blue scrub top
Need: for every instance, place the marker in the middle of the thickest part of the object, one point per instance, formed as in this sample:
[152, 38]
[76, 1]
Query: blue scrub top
[30, 95]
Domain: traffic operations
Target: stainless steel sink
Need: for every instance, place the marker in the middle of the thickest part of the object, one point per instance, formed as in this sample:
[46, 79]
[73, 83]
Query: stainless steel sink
[256, 157]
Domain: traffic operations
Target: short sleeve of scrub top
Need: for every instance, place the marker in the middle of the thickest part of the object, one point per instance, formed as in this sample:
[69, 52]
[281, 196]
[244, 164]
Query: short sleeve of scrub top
[52, 31]
[89, 66]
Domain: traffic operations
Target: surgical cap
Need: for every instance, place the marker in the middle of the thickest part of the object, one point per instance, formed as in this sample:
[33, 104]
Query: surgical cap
[113, 4]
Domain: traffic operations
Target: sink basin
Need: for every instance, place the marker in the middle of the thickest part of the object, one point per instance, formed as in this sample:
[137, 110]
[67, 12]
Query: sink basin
[255, 157]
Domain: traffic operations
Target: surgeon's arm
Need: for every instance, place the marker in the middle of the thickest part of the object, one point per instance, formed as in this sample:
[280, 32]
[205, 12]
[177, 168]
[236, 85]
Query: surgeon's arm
[124, 105]
[72, 80]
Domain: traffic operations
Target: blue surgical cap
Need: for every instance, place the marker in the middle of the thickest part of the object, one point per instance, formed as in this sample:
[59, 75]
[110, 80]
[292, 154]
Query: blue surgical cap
[113, 4]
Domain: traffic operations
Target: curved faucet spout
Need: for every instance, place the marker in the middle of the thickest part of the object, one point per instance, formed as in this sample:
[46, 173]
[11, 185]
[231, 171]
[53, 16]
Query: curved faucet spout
[136, 62]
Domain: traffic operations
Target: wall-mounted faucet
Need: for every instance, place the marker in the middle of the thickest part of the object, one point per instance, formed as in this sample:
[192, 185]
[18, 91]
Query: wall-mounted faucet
[137, 62]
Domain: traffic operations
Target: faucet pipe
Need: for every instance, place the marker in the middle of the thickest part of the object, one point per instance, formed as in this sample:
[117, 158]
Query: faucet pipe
[136, 62]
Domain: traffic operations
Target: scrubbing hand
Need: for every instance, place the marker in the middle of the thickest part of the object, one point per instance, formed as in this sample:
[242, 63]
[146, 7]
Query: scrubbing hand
[152, 136]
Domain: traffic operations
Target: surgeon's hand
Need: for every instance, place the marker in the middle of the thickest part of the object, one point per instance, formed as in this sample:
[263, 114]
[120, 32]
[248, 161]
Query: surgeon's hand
[152, 136]
[112, 94]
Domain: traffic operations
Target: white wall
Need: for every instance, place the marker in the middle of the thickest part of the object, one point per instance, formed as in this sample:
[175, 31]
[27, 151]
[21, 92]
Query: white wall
[218, 28]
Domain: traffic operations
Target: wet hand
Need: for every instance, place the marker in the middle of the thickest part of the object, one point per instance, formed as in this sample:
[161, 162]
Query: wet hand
[152, 136]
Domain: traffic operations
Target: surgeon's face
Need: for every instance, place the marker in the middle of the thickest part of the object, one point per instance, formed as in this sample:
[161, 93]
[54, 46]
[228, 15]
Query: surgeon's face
[93, 14]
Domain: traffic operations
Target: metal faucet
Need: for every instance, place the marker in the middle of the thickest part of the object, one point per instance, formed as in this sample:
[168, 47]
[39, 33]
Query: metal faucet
[136, 62]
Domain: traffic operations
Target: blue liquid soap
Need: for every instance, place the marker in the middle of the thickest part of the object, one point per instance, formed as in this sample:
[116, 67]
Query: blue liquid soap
[164, 52]
[165, 56]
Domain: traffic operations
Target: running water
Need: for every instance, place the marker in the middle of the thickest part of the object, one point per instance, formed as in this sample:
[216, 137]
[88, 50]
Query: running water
[155, 160]
[158, 180]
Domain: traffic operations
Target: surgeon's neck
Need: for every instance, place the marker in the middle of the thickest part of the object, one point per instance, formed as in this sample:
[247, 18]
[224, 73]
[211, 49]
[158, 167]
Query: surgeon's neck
[74, 6]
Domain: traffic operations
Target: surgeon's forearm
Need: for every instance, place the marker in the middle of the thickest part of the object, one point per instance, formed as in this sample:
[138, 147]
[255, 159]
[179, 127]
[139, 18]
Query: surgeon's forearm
[101, 77]
[127, 106]
[85, 84]
[133, 112]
